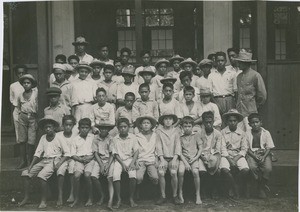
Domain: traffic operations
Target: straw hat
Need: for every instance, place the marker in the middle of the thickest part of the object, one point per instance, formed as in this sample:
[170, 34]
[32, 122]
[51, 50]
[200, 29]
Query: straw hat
[107, 126]
[176, 57]
[245, 56]
[205, 62]
[48, 119]
[97, 62]
[161, 118]
[80, 41]
[139, 120]
[233, 112]
[59, 66]
[168, 78]
[29, 77]
[160, 62]
[147, 70]
[84, 65]
[129, 70]
[188, 61]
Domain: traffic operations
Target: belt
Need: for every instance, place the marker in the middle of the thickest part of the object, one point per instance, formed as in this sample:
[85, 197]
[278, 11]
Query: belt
[223, 96]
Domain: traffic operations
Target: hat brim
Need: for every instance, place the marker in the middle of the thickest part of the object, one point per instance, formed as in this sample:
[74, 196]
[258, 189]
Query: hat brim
[139, 120]
[147, 72]
[163, 81]
[245, 61]
[44, 121]
[128, 74]
[205, 94]
[158, 63]
[194, 64]
[161, 118]
[101, 64]
[89, 68]
[33, 81]
[53, 94]
[205, 64]
[180, 59]
[239, 116]
[107, 126]
[109, 66]
[79, 43]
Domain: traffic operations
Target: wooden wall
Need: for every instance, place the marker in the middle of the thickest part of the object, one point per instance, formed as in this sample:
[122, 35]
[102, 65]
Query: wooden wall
[281, 112]
[217, 26]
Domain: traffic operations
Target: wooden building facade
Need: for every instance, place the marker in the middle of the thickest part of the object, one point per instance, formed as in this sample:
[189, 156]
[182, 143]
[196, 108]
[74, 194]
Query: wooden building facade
[34, 32]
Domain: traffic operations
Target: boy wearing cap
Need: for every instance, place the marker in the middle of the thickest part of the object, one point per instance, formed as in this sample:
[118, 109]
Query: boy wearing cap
[260, 143]
[191, 147]
[73, 60]
[168, 150]
[55, 108]
[97, 72]
[102, 112]
[146, 60]
[82, 153]
[125, 151]
[80, 47]
[203, 83]
[190, 65]
[144, 106]
[147, 143]
[27, 105]
[55, 152]
[108, 84]
[175, 64]
[83, 93]
[104, 162]
[161, 67]
[237, 145]
[147, 75]
[186, 80]
[128, 85]
[15, 90]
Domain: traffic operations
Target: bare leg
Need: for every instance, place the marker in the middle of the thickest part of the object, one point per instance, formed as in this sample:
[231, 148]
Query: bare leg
[197, 186]
[98, 188]
[26, 188]
[76, 188]
[180, 185]
[162, 186]
[174, 183]
[44, 186]
[87, 177]
[117, 187]
[132, 186]
[111, 192]
[60, 179]
[71, 197]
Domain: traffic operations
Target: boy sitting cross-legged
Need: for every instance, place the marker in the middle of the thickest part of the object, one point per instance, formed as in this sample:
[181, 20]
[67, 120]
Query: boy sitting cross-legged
[53, 152]
[125, 151]
[191, 150]
[104, 161]
[168, 150]
[83, 155]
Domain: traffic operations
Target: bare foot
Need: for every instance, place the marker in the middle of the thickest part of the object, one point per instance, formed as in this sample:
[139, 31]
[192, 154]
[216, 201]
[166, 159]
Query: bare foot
[88, 203]
[117, 205]
[180, 197]
[198, 200]
[109, 206]
[132, 203]
[24, 201]
[73, 204]
[42, 205]
[70, 199]
[100, 202]
[59, 202]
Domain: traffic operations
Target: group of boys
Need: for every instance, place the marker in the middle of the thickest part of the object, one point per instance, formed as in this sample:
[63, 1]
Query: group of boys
[106, 117]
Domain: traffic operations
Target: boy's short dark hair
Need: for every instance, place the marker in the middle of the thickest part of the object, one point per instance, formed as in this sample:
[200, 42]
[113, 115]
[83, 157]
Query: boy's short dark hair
[85, 121]
[125, 49]
[235, 50]
[100, 90]
[102, 45]
[117, 60]
[210, 56]
[73, 57]
[129, 94]
[168, 85]
[254, 115]
[221, 54]
[184, 74]
[189, 89]
[144, 85]
[123, 120]
[20, 66]
[187, 120]
[207, 114]
[61, 57]
[143, 52]
[69, 117]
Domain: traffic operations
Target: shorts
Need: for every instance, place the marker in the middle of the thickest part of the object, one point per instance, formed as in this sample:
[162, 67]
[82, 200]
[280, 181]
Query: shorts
[241, 163]
[223, 164]
[43, 169]
[82, 111]
[67, 165]
[167, 166]
[27, 129]
[82, 168]
[118, 170]
[194, 166]
[96, 170]
[151, 171]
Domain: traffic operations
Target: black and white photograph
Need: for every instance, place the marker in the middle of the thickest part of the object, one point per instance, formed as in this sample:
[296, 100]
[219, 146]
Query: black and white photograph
[149, 105]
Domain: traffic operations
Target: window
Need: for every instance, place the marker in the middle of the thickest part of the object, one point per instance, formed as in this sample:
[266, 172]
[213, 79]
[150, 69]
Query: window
[125, 18]
[162, 42]
[159, 17]
[245, 21]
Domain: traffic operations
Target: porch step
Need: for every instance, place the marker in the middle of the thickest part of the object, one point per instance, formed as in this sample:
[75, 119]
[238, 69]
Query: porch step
[9, 150]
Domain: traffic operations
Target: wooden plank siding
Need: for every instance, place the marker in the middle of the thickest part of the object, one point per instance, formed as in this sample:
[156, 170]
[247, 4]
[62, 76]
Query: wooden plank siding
[281, 112]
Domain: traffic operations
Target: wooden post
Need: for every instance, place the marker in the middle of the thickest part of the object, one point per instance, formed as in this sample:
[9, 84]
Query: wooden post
[261, 31]
[138, 29]
[43, 54]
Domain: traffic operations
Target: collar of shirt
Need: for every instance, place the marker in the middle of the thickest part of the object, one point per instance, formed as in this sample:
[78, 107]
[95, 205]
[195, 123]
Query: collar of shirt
[56, 107]
[237, 131]
[102, 107]
[130, 136]
[89, 136]
[144, 102]
[183, 135]
[99, 139]
[66, 82]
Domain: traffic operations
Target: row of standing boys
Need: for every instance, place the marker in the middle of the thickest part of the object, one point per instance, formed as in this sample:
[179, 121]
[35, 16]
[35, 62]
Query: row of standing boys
[106, 117]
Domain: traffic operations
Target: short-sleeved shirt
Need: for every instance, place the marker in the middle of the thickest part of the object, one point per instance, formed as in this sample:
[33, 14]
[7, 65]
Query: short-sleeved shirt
[57, 112]
[83, 91]
[122, 112]
[236, 141]
[223, 84]
[172, 107]
[118, 79]
[85, 58]
[139, 79]
[68, 141]
[103, 115]
[15, 90]
[194, 112]
[123, 89]
[168, 142]
[125, 148]
[146, 147]
[213, 143]
[213, 108]
[195, 99]
[83, 146]
[102, 146]
[51, 149]
[66, 91]
[148, 108]
[28, 105]
[266, 141]
[110, 88]
[203, 84]
[190, 145]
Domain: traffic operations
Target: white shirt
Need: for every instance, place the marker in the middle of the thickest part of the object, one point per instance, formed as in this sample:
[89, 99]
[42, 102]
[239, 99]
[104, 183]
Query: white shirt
[123, 89]
[83, 91]
[172, 107]
[195, 99]
[81, 146]
[203, 84]
[103, 115]
[139, 79]
[146, 148]
[125, 148]
[266, 141]
[68, 141]
[213, 108]
[223, 84]
[54, 148]
[194, 113]
[85, 58]
[15, 89]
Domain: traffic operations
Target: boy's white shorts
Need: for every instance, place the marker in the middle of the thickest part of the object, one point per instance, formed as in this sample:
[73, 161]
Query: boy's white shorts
[241, 163]
[118, 170]
[96, 170]
[82, 168]
[67, 165]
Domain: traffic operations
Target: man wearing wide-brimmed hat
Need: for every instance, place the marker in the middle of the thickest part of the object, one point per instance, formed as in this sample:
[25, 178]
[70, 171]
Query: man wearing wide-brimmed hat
[251, 88]
[80, 47]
